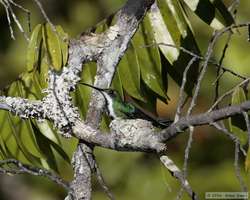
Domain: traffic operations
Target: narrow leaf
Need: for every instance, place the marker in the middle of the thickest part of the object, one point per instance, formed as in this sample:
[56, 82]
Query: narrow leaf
[117, 84]
[34, 48]
[129, 73]
[207, 11]
[162, 32]
[148, 58]
[171, 27]
[64, 42]
[237, 123]
[83, 92]
[52, 44]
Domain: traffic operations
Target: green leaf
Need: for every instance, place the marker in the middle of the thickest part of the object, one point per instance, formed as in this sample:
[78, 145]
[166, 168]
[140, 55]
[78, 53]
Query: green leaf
[53, 46]
[49, 160]
[117, 84]
[237, 123]
[16, 127]
[82, 94]
[129, 73]
[53, 140]
[238, 96]
[29, 86]
[13, 137]
[47, 131]
[3, 127]
[148, 58]
[43, 69]
[34, 48]
[165, 31]
[64, 42]
[222, 9]
[171, 27]
[208, 12]
[247, 160]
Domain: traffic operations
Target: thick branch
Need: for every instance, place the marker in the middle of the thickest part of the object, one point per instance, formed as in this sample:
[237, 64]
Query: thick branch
[202, 119]
[114, 42]
[145, 138]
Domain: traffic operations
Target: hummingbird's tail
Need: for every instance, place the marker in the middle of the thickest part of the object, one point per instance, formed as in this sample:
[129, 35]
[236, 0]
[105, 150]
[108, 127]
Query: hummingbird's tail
[162, 122]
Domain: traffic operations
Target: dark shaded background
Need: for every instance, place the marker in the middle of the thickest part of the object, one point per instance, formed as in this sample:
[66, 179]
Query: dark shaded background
[133, 175]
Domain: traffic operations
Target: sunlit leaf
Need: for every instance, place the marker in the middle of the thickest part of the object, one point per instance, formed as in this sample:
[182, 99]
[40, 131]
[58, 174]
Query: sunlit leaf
[165, 33]
[64, 42]
[45, 148]
[43, 70]
[171, 27]
[129, 73]
[53, 46]
[148, 58]
[29, 86]
[34, 48]
[214, 14]
[15, 126]
[247, 160]
[83, 92]
[226, 16]
[47, 131]
[237, 123]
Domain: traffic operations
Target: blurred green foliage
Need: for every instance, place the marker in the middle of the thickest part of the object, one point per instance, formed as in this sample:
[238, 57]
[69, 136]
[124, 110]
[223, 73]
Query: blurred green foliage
[137, 175]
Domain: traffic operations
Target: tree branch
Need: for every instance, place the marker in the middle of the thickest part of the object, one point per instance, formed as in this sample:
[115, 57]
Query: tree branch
[145, 138]
[27, 169]
[202, 119]
[115, 42]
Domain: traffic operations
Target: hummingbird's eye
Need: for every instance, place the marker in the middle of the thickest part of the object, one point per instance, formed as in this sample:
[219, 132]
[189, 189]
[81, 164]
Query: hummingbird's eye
[111, 92]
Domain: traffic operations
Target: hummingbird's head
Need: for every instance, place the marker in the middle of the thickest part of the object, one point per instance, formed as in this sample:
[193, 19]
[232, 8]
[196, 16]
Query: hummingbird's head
[112, 93]
[110, 97]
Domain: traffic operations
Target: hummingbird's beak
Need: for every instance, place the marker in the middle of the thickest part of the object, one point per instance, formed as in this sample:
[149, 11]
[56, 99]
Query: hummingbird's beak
[101, 90]
[91, 86]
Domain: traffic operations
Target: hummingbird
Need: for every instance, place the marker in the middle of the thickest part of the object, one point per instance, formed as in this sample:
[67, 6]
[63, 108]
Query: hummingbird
[117, 108]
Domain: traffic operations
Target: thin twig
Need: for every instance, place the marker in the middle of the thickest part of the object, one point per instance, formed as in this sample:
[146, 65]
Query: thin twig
[218, 72]
[26, 169]
[45, 15]
[186, 158]
[102, 182]
[203, 71]
[187, 150]
[24, 10]
[225, 131]
[228, 93]
[234, 5]
[181, 94]
[199, 57]
[16, 20]
[237, 168]
[176, 172]
[234, 138]
[9, 20]
[245, 114]
[189, 144]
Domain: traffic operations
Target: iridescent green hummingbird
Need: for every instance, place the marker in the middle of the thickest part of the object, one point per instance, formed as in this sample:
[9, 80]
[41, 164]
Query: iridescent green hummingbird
[116, 108]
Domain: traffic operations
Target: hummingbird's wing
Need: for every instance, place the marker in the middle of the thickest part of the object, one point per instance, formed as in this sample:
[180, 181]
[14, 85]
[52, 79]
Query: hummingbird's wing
[158, 122]
[141, 113]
